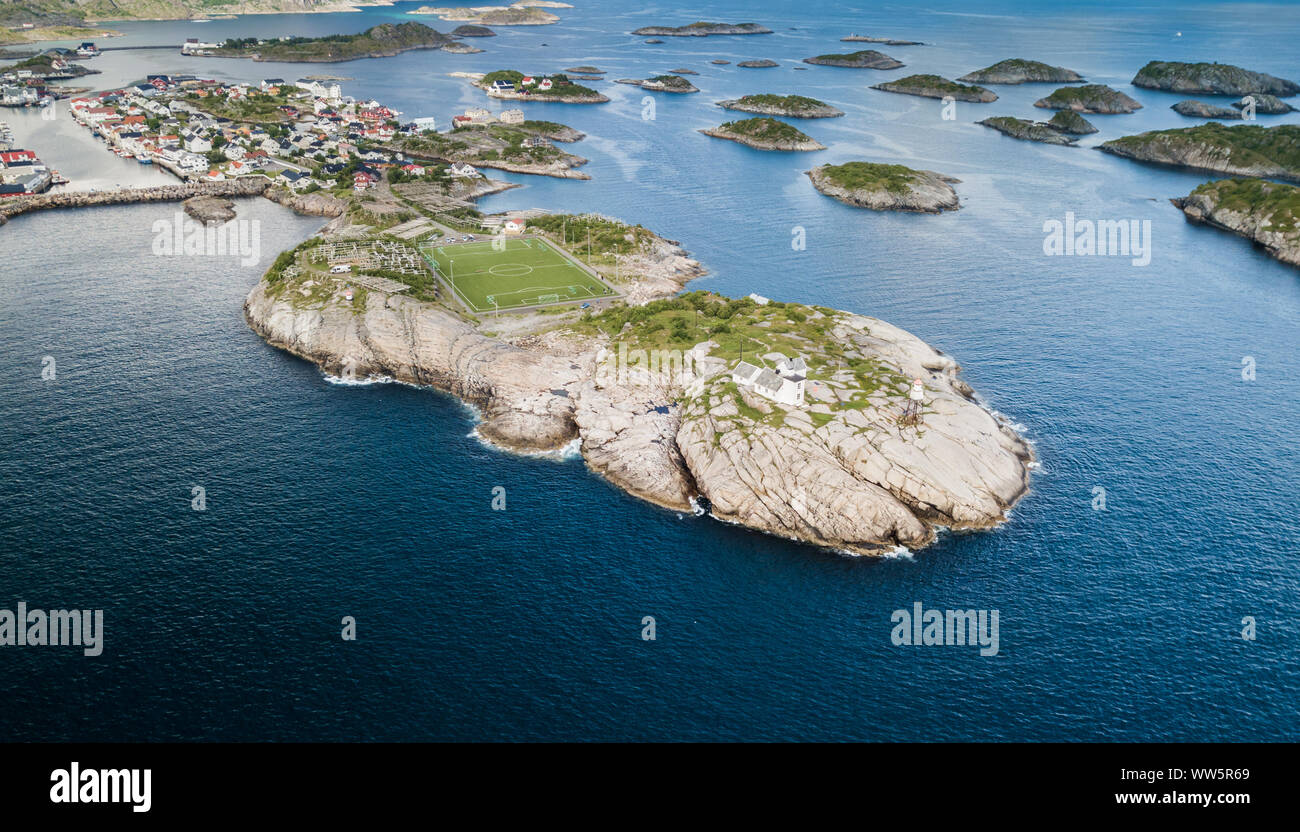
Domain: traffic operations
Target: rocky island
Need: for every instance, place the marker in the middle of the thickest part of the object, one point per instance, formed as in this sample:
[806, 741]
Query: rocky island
[469, 30]
[701, 29]
[885, 41]
[1244, 150]
[761, 63]
[1264, 104]
[657, 400]
[765, 134]
[382, 41]
[1090, 98]
[1021, 71]
[1068, 121]
[864, 59]
[662, 83]
[1032, 131]
[1210, 78]
[1199, 109]
[933, 86]
[510, 84]
[791, 106]
[886, 187]
[209, 210]
[516, 14]
[1266, 213]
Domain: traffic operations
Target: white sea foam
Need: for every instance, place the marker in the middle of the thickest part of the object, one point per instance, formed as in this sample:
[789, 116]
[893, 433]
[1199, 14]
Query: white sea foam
[357, 382]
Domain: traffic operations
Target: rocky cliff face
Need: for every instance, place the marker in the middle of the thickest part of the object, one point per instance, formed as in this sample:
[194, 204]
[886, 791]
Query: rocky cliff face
[852, 478]
[1248, 150]
[855, 479]
[518, 392]
[1265, 213]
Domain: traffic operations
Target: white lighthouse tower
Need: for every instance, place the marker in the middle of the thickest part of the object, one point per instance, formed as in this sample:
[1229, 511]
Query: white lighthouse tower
[912, 410]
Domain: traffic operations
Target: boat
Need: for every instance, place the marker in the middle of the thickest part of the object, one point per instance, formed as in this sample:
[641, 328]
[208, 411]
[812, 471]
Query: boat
[143, 158]
[57, 178]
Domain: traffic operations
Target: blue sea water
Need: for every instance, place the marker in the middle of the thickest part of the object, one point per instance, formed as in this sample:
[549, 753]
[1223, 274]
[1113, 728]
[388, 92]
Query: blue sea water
[328, 500]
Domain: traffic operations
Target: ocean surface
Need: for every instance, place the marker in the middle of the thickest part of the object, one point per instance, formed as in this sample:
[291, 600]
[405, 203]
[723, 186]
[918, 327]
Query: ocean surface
[326, 500]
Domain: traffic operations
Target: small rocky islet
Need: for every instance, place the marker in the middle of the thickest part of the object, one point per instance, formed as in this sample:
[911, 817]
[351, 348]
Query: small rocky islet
[701, 29]
[661, 83]
[790, 106]
[765, 134]
[883, 187]
[884, 41]
[1264, 104]
[934, 86]
[1199, 109]
[1033, 131]
[1089, 98]
[1021, 71]
[1068, 121]
[1211, 79]
[864, 59]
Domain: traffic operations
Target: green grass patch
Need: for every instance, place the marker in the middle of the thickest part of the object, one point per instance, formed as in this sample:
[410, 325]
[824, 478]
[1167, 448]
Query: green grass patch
[524, 272]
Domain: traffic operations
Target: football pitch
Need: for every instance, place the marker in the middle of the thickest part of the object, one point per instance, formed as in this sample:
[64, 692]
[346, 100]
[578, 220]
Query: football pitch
[524, 272]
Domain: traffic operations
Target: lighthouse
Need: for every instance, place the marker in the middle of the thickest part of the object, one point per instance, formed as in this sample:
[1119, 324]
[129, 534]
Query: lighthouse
[912, 410]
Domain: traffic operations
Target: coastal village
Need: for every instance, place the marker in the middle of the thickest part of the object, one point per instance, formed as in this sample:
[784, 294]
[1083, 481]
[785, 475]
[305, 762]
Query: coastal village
[306, 134]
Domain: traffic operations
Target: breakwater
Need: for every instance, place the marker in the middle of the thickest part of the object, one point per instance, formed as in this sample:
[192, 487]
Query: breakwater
[248, 186]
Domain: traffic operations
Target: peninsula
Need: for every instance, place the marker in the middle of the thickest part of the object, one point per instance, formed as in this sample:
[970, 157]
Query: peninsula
[933, 86]
[780, 417]
[1021, 71]
[864, 59]
[791, 106]
[1266, 213]
[765, 134]
[382, 41]
[886, 187]
[1090, 98]
[702, 29]
[1210, 78]
[1244, 150]
[516, 14]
